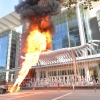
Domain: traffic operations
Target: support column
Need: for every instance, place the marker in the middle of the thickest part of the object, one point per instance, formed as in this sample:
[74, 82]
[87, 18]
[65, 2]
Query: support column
[12, 79]
[37, 77]
[46, 74]
[74, 64]
[80, 25]
[8, 56]
[67, 80]
[63, 80]
[87, 73]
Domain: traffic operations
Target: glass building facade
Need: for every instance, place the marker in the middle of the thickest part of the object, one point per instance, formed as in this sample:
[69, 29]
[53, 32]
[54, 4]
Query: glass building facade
[72, 29]
[3, 49]
[8, 52]
[67, 29]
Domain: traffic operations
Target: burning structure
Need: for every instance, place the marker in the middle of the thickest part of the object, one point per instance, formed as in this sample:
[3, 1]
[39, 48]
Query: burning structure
[38, 29]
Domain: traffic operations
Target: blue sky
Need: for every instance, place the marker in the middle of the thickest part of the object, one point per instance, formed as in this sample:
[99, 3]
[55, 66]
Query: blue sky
[6, 7]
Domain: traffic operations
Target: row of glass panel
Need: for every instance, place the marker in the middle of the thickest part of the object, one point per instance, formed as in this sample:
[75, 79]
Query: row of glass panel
[4, 38]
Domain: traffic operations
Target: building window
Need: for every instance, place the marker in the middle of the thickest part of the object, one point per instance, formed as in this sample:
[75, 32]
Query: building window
[3, 49]
[67, 32]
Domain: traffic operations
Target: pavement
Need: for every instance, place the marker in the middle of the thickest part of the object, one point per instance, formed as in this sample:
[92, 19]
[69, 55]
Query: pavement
[90, 94]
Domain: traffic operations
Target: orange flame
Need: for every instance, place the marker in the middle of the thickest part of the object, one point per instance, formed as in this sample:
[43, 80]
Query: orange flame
[36, 43]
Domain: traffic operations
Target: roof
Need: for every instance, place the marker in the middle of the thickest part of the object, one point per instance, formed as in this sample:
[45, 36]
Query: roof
[65, 55]
[9, 21]
[12, 20]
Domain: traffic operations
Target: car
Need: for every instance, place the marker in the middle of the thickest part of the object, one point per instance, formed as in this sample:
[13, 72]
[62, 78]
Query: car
[3, 86]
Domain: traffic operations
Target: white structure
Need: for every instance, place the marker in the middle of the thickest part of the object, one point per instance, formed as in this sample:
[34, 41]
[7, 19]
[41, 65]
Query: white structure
[68, 65]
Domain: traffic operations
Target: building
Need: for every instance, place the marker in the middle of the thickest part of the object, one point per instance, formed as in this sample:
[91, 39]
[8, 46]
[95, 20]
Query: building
[74, 27]
[77, 64]
[9, 44]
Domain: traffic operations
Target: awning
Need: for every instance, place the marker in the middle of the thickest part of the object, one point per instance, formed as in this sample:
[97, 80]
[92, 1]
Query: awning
[83, 53]
[9, 21]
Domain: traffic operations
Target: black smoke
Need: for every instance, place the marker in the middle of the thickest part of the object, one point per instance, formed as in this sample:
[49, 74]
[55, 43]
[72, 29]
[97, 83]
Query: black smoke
[34, 12]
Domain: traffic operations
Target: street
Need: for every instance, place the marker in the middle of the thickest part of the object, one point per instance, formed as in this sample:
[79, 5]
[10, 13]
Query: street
[52, 95]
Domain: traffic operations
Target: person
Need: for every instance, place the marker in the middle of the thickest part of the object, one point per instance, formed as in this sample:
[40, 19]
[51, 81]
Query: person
[94, 82]
[58, 86]
[21, 85]
[73, 86]
[45, 85]
[96, 79]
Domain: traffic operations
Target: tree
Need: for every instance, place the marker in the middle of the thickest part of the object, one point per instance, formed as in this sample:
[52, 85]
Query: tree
[69, 3]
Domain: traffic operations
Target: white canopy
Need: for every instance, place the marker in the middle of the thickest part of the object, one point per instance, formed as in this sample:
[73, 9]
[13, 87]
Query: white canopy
[9, 21]
[87, 52]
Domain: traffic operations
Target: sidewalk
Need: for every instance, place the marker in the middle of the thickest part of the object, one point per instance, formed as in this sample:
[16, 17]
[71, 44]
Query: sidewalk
[62, 87]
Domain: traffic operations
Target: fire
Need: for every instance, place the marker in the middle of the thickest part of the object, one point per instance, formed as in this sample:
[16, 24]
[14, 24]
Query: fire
[36, 43]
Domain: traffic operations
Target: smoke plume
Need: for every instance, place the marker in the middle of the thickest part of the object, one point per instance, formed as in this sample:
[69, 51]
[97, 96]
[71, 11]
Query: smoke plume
[35, 11]
[37, 33]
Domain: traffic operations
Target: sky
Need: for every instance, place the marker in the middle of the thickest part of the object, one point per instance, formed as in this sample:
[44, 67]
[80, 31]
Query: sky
[8, 6]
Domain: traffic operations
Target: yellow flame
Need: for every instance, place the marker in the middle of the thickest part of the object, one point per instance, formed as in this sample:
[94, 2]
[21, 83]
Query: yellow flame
[36, 43]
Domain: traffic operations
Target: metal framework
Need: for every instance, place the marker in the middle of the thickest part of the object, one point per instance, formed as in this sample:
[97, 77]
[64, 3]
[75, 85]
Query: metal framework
[74, 55]
[85, 52]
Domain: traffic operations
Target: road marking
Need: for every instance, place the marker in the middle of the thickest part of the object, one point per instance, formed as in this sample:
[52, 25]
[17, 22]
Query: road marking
[62, 96]
[24, 96]
[15, 93]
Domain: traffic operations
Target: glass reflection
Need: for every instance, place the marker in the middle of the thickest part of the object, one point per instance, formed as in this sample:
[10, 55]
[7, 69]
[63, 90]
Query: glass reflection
[67, 32]
[3, 50]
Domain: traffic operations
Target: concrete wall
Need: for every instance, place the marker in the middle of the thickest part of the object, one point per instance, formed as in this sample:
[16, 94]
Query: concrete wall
[93, 21]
